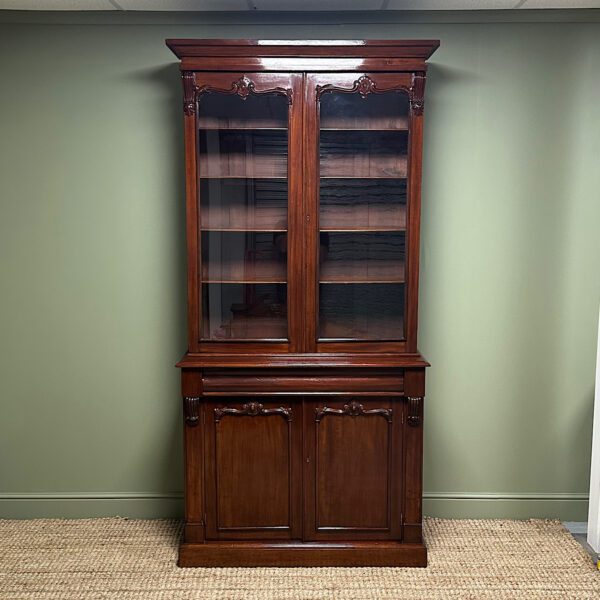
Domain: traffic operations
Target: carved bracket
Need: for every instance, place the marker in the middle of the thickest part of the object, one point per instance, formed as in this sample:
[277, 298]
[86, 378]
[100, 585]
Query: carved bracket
[416, 93]
[253, 409]
[364, 85]
[190, 89]
[415, 407]
[353, 409]
[191, 410]
[243, 87]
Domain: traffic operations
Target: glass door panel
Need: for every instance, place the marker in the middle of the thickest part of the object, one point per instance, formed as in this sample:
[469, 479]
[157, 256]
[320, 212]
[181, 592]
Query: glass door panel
[243, 191]
[363, 150]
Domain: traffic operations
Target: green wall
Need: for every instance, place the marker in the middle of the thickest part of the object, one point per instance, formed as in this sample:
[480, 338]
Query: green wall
[92, 256]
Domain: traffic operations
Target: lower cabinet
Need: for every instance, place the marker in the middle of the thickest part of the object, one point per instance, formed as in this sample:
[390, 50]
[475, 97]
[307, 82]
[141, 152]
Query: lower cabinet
[312, 469]
[296, 476]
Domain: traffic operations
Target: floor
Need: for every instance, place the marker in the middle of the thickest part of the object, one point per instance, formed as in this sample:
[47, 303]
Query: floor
[121, 559]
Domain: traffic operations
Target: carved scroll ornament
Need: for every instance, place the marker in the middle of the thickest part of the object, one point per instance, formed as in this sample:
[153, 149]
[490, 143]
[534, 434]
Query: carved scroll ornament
[243, 87]
[253, 409]
[353, 409]
[364, 85]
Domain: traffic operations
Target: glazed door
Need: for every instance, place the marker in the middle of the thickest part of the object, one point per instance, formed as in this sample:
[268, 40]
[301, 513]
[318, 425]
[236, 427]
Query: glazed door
[248, 221]
[361, 187]
[353, 469]
[253, 458]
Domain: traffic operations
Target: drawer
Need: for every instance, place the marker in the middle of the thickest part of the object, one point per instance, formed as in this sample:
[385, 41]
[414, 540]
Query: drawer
[302, 382]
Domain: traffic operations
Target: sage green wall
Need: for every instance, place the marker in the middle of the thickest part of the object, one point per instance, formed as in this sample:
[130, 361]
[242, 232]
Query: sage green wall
[92, 256]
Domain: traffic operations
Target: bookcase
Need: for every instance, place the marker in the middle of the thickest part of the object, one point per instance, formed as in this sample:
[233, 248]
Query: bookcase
[302, 385]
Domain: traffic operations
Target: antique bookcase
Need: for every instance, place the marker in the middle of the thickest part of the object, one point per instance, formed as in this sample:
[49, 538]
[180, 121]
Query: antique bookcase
[302, 384]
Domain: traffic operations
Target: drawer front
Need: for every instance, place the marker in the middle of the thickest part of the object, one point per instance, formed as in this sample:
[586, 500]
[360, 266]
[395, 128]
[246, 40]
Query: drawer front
[248, 382]
[253, 480]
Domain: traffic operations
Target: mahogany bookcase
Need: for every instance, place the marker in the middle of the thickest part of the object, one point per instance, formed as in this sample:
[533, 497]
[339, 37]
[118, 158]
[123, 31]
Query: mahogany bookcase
[302, 385]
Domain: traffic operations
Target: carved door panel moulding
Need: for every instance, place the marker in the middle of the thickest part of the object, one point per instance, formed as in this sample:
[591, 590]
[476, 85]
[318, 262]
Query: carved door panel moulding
[365, 85]
[243, 87]
[353, 409]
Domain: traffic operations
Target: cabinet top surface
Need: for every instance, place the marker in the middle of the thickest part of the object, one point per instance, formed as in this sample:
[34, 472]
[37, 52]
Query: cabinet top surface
[420, 49]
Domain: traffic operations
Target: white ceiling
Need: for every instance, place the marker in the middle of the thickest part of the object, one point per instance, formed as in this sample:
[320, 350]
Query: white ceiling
[296, 5]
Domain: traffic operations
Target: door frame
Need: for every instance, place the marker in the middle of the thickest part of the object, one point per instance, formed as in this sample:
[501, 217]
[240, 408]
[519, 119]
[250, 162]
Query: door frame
[244, 84]
[359, 83]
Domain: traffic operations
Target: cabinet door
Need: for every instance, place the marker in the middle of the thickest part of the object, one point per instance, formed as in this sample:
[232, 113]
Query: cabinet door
[248, 214]
[353, 469]
[362, 192]
[253, 469]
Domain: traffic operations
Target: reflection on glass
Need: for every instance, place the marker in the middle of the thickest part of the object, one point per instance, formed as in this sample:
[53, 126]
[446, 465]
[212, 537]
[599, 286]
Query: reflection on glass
[242, 165]
[244, 312]
[363, 200]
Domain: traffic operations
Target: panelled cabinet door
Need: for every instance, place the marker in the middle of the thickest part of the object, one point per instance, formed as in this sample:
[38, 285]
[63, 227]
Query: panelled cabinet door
[353, 469]
[253, 478]
[248, 156]
[358, 186]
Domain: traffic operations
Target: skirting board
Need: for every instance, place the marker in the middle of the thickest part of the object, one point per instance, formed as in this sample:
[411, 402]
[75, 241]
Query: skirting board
[450, 505]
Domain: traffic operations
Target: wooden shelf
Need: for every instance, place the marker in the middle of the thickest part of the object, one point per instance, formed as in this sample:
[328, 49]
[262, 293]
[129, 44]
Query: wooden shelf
[244, 281]
[369, 329]
[362, 271]
[362, 217]
[242, 230]
[245, 272]
[341, 127]
[236, 217]
[244, 328]
[236, 165]
[241, 123]
[242, 127]
[364, 166]
[342, 176]
[362, 229]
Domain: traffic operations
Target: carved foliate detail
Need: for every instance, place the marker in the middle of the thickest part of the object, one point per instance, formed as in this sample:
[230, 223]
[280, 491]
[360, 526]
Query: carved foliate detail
[416, 94]
[190, 89]
[364, 85]
[415, 407]
[191, 408]
[353, 409]
[243, 87]
[253, 409]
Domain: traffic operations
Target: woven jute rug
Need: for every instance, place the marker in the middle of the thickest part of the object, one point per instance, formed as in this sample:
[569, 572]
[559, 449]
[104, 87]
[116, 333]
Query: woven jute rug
[126, 559]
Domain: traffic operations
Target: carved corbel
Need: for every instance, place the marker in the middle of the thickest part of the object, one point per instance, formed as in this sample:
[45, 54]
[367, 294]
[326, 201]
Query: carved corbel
[415, 408]
[416, 93]
[190, 89]
[191, 410]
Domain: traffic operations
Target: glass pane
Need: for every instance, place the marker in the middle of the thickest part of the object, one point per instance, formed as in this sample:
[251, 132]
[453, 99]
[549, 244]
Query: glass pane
[362, 220]
[242, 164]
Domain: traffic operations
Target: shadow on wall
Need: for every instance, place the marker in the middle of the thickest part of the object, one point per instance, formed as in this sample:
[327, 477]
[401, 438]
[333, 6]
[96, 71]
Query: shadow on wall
[166, 79]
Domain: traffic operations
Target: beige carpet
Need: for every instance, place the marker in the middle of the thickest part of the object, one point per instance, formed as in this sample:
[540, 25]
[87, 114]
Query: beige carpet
[119, 558]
